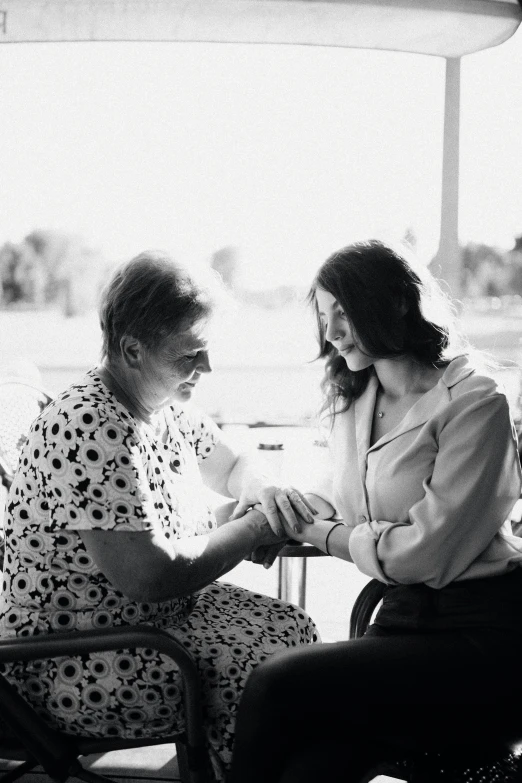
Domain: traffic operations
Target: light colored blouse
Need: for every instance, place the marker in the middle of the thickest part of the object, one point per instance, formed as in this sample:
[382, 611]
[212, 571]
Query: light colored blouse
[428, 502]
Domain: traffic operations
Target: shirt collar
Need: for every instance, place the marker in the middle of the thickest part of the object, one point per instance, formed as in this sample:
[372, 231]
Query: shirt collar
[458, 369]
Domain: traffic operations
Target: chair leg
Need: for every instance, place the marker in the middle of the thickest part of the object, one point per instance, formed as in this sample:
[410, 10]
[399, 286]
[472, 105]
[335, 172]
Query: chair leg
[190, 768]
[17, 772]
[183, 763]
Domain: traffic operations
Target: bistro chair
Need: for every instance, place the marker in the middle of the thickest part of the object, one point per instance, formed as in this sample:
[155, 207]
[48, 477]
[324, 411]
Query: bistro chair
[497, 763]
[20, 403]
[28, 737]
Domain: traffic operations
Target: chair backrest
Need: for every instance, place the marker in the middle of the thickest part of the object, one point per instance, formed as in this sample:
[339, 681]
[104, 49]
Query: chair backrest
[364, 607]
[20, 403]
[58, 752]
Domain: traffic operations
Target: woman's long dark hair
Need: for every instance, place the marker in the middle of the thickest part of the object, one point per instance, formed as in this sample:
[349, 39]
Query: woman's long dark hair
[393, 309]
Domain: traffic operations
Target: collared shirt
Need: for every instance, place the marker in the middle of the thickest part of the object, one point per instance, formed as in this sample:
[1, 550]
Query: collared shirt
[428, 502]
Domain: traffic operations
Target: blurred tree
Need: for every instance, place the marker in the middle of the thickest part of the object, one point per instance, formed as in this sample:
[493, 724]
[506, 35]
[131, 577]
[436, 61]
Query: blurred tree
[410, 238]
[225, 262]
[486, 270]
[11, 290]
[51, 267]
[515, 260]
[22, 276]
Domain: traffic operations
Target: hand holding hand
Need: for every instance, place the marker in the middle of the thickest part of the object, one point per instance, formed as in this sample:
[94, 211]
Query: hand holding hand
[285, 509]
[267, 554]
[265, 536]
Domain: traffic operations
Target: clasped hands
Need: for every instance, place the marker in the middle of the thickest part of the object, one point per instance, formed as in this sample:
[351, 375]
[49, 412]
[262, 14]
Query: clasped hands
[286, 510]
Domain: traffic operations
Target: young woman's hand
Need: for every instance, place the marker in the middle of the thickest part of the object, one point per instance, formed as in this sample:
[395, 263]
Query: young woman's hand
[283, 508]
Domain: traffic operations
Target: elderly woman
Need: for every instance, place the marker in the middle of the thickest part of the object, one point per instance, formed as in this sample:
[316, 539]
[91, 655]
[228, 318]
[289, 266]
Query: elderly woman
[107, 524]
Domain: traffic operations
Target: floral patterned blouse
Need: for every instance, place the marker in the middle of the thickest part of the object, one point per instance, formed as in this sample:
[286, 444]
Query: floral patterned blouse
[89, 463]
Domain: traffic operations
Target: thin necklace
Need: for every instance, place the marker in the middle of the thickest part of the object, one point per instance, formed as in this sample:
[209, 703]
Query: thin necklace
[380, 413]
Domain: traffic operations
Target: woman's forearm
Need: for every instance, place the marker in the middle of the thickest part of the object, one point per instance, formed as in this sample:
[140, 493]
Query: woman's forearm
[328, 536]
[195, 562]
[152, 568]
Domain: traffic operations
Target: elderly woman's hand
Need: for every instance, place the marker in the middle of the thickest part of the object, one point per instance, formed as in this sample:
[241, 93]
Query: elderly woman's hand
[279, 505]
[266, 555]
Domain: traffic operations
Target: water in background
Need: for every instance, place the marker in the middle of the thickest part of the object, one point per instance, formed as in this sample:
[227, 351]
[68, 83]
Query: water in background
[238, 395]
[263, 359]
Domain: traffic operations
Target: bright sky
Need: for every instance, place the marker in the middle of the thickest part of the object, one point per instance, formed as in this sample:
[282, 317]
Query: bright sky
[285, 152]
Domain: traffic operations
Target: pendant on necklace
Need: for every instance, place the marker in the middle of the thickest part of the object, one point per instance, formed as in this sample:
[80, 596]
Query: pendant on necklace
[380, 414]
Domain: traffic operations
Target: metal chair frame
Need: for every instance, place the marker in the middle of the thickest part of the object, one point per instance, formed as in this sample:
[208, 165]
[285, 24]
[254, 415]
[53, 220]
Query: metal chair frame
[34, 742]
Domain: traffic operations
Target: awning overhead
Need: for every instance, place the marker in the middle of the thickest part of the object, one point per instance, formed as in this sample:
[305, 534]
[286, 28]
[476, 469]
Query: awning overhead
[449, 28]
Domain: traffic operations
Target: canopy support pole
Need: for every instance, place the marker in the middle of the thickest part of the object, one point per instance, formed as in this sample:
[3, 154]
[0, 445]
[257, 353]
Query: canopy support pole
[447, 265]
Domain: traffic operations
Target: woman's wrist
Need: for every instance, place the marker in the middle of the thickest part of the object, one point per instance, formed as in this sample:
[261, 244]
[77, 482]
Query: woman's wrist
[325, 534]
[263, 529]
[256, 521]
[255, 513]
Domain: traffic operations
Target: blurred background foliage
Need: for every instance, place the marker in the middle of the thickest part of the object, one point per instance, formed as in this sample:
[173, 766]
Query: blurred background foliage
[51, 268]
[264, 344]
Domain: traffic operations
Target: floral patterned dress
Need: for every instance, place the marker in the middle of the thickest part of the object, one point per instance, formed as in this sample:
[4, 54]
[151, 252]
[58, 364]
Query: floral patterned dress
[88, 463]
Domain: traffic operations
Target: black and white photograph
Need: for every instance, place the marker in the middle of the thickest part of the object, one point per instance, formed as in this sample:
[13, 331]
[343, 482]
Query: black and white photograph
[261, 391]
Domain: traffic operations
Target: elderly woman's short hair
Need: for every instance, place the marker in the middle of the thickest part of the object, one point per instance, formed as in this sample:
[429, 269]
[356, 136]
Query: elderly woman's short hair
[150, 298]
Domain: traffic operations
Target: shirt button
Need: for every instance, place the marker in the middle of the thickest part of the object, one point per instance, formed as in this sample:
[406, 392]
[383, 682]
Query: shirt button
[364, 519]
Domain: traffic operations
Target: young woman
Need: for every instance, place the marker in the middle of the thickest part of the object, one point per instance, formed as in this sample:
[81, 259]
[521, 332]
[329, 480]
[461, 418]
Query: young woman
[425, 473]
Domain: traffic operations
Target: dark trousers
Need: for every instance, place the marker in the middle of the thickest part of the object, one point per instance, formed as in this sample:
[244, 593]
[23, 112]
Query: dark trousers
[397, 690]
